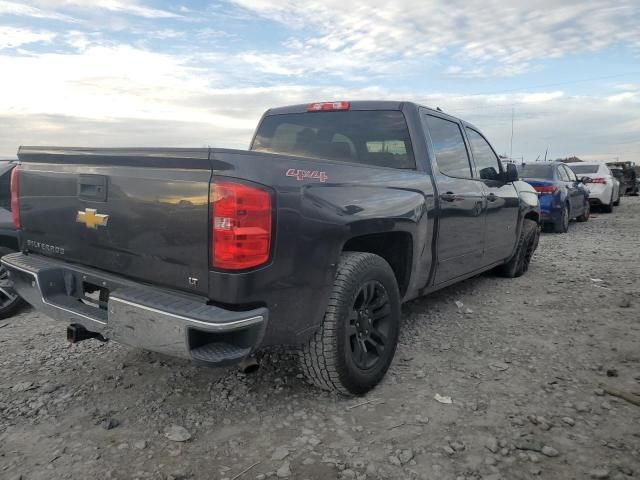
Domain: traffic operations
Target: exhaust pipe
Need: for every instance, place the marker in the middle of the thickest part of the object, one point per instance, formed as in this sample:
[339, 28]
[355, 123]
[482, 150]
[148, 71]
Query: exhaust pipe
[77, 333]
[249, 365]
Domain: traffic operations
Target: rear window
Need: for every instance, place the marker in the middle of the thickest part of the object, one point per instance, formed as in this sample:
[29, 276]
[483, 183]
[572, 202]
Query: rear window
[584, 168]
[377, 137]
[532, 170]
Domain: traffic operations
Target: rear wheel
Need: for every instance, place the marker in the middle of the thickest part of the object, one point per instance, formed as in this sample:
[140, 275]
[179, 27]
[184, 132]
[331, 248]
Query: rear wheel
[353, 348]
[586, 213]
[527, 244]
[617, 202]
[562, 225]
[608, 208]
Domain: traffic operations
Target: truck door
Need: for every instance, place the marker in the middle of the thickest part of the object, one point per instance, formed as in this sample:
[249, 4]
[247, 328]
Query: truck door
[502, 201]
[461, 203]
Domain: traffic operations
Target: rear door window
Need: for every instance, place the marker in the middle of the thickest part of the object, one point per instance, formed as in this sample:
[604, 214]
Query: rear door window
[373, 137]
[451, 153]
[562, 174]
[570, 174]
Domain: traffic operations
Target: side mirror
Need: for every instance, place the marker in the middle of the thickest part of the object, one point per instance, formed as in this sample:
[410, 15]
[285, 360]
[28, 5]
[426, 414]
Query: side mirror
[511, 175]
[585, 180]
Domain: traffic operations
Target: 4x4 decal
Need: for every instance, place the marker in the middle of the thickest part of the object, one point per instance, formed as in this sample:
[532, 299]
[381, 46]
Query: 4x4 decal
[302, 174]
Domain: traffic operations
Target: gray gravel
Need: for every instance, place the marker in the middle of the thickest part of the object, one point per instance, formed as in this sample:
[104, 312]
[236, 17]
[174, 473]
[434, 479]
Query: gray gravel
[522, 361]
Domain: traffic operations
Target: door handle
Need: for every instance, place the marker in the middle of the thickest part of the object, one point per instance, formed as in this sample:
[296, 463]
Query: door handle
[448, 197]
[492, 197]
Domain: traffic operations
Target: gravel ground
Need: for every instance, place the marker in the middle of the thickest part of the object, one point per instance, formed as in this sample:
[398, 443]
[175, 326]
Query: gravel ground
[521, 361]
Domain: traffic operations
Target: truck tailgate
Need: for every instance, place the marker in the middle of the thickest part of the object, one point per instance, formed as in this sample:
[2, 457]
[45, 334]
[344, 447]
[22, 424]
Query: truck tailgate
[139, 213]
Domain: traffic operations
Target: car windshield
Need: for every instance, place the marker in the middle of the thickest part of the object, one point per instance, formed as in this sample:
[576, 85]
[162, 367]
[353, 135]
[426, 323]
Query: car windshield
[584, 168]
[376, 137]
[536, 170]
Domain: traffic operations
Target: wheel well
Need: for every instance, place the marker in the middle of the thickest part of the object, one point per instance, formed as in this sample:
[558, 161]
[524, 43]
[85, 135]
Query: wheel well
[533, 216]
[395, 247]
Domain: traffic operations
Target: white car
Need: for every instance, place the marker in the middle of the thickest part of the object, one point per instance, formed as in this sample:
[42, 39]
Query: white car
[604, 188]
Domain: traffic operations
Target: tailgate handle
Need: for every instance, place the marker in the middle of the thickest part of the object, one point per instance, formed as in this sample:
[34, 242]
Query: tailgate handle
[92, 187]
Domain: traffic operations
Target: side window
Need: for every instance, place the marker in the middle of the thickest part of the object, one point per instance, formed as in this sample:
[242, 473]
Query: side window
[562, 174]
[572, 176]
[487, 162]
[451, 154]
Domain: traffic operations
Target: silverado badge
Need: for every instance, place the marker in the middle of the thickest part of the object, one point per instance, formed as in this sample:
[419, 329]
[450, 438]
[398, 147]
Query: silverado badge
[92, 219]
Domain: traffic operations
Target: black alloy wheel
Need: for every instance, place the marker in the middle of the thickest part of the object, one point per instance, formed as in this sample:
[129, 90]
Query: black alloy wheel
[369, 325]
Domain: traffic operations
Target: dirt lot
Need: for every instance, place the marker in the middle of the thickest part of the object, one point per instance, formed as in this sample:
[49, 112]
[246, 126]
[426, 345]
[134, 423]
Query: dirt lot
[521, 360]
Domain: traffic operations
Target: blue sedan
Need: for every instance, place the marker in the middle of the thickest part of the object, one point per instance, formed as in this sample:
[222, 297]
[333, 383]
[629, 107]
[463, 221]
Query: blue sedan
[562, 195]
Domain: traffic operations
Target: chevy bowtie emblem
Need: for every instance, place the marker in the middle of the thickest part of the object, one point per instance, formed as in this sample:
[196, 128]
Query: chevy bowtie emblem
[92, 219]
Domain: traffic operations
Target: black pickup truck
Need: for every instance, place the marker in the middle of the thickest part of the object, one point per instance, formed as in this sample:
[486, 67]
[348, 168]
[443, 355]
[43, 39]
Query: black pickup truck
[313, 238]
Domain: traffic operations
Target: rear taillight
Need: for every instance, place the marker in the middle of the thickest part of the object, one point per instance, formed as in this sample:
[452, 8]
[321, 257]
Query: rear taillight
[15, 205]
[598, 180]
[241, 222]
[327, 106]
[545, 189]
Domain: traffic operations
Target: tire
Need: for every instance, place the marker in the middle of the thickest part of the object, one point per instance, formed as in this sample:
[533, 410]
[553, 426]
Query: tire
[608, 208]
[364, 298]
[527, 244]
[562, 225]
[617, 203]
[586, 214]
[10, 301]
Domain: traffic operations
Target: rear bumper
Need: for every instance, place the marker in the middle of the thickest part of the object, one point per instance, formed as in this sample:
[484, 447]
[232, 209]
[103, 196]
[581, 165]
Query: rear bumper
[138, 315]
[600, 194]
[550, 210]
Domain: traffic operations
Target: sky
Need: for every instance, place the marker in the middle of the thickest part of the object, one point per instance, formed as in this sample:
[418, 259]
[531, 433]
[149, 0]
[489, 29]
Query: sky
[200, 73]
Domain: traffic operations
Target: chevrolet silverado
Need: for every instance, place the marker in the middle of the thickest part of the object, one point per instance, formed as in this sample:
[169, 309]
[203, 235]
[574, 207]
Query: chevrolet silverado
[313, 238]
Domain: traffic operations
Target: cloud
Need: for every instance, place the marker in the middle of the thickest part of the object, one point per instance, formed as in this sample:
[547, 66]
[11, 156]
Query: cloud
[22, 10]
[482, 37]
[94, 89]
[15, 37]
[51, 8]
[120, 95]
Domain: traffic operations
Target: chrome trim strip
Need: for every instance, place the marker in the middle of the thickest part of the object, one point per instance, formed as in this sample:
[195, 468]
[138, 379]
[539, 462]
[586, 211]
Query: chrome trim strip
[221, 326]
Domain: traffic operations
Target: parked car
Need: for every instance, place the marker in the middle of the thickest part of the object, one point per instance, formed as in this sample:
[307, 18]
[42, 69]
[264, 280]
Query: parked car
[339, 213]
[563, 196]
[603, 190]
[629, 179]
[10, 301]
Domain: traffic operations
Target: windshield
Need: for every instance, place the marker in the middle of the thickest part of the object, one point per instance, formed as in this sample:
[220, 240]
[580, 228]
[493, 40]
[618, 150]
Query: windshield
[536, 170]
[377, 137]
[584, 168]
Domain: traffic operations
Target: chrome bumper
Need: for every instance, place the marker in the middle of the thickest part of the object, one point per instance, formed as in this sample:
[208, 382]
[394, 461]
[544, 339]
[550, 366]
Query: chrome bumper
[136, 315]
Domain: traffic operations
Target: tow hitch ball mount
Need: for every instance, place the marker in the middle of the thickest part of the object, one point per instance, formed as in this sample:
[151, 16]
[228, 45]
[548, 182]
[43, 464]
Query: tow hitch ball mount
[77, 333]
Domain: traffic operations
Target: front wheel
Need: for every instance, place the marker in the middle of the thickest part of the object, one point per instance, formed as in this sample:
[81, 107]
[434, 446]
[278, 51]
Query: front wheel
[355, 344]
[527, 244]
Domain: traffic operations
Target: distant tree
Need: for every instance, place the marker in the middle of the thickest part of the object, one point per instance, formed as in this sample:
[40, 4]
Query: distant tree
[568, 160]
